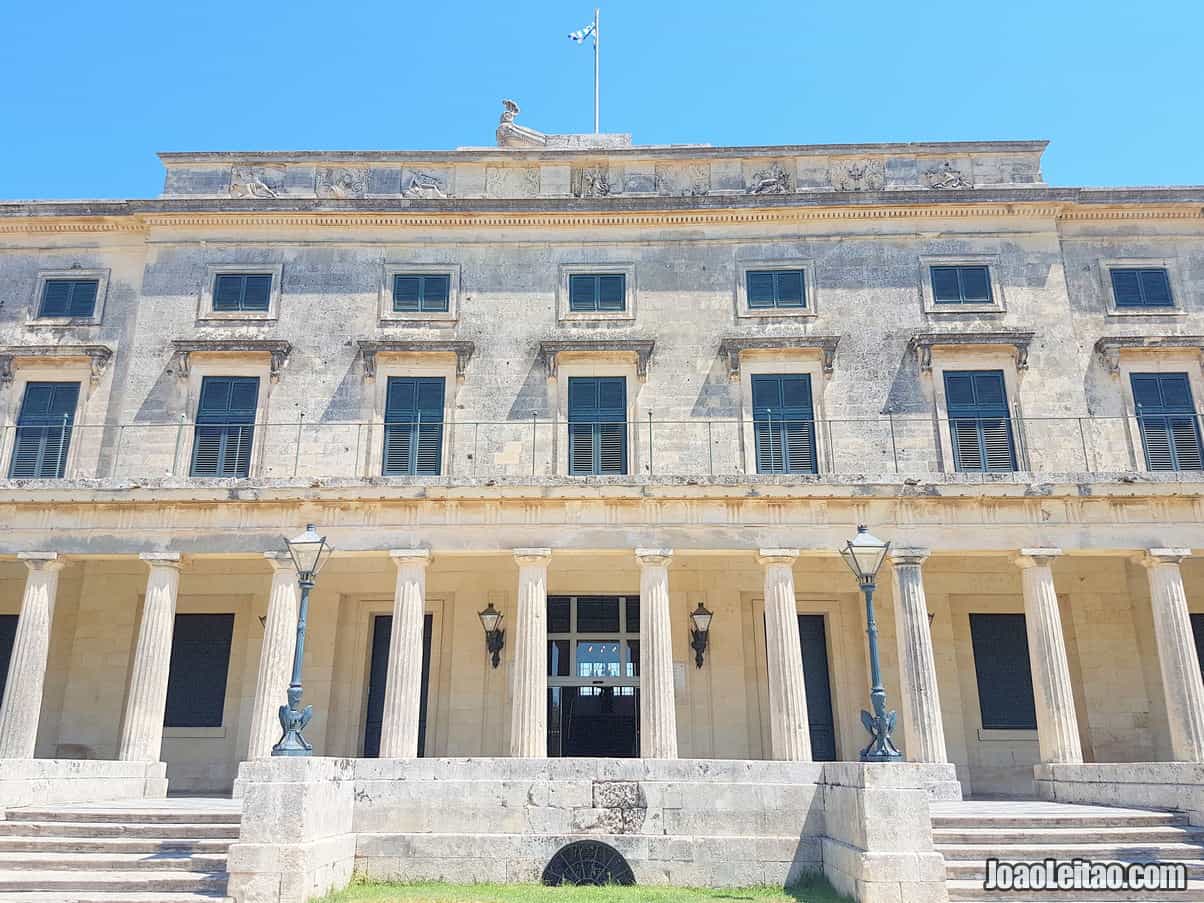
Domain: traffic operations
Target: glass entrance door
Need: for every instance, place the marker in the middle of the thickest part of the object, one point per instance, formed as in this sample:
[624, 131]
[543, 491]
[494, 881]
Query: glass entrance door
[594, 676]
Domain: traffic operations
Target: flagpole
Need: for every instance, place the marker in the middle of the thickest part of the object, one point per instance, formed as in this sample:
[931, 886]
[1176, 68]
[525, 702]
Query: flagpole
[595, 70]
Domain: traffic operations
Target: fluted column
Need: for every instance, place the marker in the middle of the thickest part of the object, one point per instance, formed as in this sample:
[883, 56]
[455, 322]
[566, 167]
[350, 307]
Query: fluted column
[529, 707]
[1177, 658]
[917, 666]
[31, 649]
[1057, 723]
[146, 703]
[789, 727]
[276, 656]
[658, 711]
[403, 685]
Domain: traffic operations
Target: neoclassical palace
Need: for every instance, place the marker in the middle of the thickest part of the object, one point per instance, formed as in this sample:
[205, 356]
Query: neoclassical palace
[597, 388]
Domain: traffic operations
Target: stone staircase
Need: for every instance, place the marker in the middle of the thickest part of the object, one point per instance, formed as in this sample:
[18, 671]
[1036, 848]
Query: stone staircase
[144, 851]
[968, 833]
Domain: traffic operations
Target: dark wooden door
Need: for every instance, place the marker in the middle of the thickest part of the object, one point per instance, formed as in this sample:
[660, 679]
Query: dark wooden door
[378, 671]
[814, 640]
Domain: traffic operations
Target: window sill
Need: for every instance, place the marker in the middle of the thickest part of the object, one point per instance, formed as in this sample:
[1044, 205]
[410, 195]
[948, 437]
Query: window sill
[414, 319]
[215, 319]
[60, 322]
[778, 313]
[586, 316]
[998, 735]
[1146, 312]
[954, 309]
[194, 733]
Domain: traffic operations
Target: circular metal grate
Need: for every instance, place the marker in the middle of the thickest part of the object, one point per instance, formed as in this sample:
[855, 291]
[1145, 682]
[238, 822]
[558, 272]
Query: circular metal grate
[588, 862]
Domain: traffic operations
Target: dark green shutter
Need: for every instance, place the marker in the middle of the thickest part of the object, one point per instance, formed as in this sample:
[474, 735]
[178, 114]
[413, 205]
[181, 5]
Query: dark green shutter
[225, 426]
[783, 423]
[200, 665]
[413, 426]
[68, 298]
[1005, 679]
[979, 424]
[44, 427]
[421, 293]
[1141, 287]
[961, 284]
[775, 288]
[597, 425]
[597, 292]
[1170, 429]
[242, 292]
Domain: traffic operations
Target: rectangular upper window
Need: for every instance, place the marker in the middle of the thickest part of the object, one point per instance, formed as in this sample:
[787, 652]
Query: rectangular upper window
[225, 426]
[413, 426]
[421, 293]
[1005, 678]
[1170, 427]
[769, 289]
[783, 423]
[1141, 287]
[200, 664]
[590, 292]
[979, 424]
[242, 292]
[44, 426]
[961, 284]
[74, 298]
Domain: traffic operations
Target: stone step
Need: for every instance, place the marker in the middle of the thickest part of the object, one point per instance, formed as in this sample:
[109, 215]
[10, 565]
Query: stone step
[1057, 836]
[1135, 852]
[114, 829]
[59, 861]
[113, 882]
[969, 891]
[60, 896]
[1074, 820]
[112, 845]
[127, 816]
[977, 870]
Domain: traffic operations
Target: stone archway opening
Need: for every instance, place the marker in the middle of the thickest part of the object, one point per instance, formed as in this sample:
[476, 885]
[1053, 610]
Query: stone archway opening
[587, 862]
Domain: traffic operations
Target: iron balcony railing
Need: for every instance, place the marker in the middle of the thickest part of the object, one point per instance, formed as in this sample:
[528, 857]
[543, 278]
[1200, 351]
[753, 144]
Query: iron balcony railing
[539, 447]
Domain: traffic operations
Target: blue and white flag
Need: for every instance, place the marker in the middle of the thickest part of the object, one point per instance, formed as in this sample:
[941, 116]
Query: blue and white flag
[581, 34]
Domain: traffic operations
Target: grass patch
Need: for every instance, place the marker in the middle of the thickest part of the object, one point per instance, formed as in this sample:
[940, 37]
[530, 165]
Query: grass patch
[811, 890]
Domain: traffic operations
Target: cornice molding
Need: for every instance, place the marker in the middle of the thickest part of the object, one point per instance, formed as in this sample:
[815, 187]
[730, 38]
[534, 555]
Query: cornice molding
[278, 351]
[369, 349]
[732, 348]
[641, 349]
[1109, 348]
[922, 343]
[98, 357]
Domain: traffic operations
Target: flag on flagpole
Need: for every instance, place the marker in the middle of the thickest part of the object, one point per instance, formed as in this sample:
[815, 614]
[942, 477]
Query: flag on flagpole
[582, 33]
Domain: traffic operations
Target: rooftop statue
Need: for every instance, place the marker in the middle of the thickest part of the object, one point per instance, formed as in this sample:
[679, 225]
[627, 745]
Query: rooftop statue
[510, 134]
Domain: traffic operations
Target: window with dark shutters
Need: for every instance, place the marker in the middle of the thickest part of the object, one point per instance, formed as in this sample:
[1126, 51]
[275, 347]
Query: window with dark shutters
[421, 293]
[68, 298]
[1001, 664]
[1141, 287]
[979, 424]
[44, 427]
[242, 292]
[597, 425]
[413, 426]
[200, 664]
[225, 426]
[961, 284]
[597, 292]
[775, 288]
[1170, 427]
[783, 423]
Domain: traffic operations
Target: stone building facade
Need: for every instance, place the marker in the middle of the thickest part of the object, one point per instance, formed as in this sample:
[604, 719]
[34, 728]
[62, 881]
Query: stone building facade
[1039, 602]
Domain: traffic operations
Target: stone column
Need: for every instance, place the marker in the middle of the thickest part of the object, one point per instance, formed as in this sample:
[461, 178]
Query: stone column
[658, 707]
[789, 727]
[529, 706]
[146, 702]
[1177, 656]
[1057, 723]
[31, 649]
[276, 656]
[917, 666]
[403, 685]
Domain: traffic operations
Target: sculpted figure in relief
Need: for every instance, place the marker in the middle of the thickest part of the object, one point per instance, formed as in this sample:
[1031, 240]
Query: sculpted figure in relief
[423, 185]
[946, 176]
[249, 182]
[857, 175]
[342, 183]
[593, 182]
[774, 180]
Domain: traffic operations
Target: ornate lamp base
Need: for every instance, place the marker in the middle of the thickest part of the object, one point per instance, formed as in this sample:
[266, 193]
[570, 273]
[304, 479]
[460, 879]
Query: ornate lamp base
[881, 748]
[293, 719]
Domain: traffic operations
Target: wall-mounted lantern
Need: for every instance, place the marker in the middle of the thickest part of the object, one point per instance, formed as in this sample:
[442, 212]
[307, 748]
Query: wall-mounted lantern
[700, 632]
[495, 637]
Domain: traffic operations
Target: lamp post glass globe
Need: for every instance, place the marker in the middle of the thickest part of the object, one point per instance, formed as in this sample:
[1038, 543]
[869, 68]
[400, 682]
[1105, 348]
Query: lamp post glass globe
[700, 632]
[864, 554]
[309, 552]
[495, 637]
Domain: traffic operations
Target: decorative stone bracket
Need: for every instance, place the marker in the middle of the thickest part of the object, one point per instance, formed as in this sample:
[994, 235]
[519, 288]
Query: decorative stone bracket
[640, 348]
[732, 348]
[461, 349]
[1109, 347]
[98, 356]
[277, 349]
[922, 343]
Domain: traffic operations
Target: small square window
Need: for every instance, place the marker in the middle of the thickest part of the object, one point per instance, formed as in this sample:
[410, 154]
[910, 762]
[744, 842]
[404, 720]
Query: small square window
[961, 284]
[769, 289]
[242, 292]
[247, 292]
[1141, 287]
[421, 293]
[589, 292]
[74, 298]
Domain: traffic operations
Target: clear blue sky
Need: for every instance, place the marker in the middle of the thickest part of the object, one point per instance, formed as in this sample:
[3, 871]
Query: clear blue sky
[93, 89]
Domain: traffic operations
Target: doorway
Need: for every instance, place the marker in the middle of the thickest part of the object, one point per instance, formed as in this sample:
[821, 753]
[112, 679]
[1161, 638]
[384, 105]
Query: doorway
[813, 636]
[378, 670]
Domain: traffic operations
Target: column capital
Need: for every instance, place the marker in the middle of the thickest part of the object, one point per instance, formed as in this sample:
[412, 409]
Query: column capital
[652, 558]
[777, 556]
[410, 558]
[532, 557]
[161, 559]
[1035, 558]
[1154, 557]
[281, 561]
[908, 557]
[42, 561]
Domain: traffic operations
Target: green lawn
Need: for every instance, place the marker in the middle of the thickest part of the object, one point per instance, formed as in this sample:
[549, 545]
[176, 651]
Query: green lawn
[814, 891]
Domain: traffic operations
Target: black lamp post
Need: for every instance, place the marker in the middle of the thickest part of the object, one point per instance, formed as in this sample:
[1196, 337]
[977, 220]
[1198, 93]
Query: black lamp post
[309, 552]
[864, 555]
[495, 637]
[700, 632]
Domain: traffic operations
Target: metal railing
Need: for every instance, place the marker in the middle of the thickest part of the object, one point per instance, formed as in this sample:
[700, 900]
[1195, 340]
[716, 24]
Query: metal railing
[539, 448]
